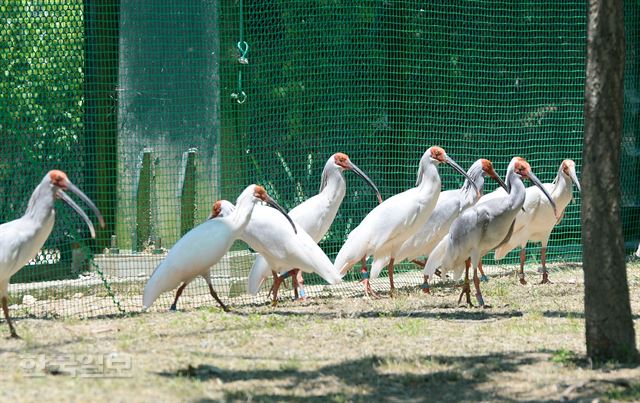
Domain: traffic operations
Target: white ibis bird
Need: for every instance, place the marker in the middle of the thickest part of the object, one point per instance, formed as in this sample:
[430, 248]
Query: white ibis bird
[316, 214]
[483, 228]
[450, 205]
[537, 220]
[204, 246]
[21, 239]
[389, 224]
[283, 250]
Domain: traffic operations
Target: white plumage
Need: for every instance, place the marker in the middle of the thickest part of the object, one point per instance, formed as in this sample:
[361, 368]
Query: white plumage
[536, 222]
[389, 224]
[316, 214]
[482, 228]
[203, 246]
[21, 239]
[450, 205]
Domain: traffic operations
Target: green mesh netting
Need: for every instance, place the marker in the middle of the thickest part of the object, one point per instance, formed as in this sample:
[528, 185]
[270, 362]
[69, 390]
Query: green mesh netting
[150, 110]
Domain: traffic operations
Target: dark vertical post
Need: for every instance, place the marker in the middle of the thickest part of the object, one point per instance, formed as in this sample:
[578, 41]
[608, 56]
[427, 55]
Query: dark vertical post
[609, 324]
[188, 191]
[101, 105]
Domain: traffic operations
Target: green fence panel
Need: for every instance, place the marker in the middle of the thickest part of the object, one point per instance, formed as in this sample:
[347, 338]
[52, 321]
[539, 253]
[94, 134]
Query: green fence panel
[157, 109]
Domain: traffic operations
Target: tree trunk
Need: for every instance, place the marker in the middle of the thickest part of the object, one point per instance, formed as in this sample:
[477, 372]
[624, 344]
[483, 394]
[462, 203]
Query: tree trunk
[609, 325]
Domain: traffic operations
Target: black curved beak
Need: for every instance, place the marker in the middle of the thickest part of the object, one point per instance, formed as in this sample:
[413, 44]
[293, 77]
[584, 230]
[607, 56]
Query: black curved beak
[353, 167]
[65, 198]
[574, 177]
[458, 168]
[537, 182]
[500, 181]
[276, 206]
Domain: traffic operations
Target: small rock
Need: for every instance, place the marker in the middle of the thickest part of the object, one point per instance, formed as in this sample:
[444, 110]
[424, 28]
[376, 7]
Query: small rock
[28, 300]
[78, 295]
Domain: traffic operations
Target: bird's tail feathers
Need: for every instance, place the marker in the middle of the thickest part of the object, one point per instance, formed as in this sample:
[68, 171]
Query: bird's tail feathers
[377, 266]
[437, 257]
[259, 272]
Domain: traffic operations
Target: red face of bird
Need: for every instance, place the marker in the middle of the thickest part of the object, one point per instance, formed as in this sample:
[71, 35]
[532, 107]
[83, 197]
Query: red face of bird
[439, 155]
[260, 193]
[569, 169]
[523, 169]
[60, 183]
[215, 210]
[342, 161]
[487, 167]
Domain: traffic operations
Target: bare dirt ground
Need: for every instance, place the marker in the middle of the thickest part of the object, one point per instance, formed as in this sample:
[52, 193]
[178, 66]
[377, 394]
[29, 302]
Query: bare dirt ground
[529, 346]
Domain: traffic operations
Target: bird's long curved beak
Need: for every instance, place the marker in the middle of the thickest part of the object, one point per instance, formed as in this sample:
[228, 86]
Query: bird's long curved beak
[458, 168]
[276, 206]
[574, 177]
[497, 178]
[65, 198]
[537, 182]
[364, 176]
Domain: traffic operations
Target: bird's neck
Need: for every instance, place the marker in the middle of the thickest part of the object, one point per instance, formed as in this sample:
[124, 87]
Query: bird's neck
[335, 185]
[429, 179]
[469, 193]
[517, 191]
[562, 190]
[41, 204]
[242, 213]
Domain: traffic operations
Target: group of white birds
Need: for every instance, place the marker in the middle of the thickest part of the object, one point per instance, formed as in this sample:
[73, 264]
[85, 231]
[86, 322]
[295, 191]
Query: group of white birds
[453, 230]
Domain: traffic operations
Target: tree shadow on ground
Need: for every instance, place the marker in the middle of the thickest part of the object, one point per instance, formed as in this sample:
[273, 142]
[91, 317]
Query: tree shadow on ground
[442, 378]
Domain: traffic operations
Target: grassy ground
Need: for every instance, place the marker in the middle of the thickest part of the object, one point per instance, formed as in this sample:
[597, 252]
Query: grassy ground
[528, 347]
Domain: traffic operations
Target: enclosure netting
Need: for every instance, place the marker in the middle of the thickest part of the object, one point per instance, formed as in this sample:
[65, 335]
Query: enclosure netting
[157, 109]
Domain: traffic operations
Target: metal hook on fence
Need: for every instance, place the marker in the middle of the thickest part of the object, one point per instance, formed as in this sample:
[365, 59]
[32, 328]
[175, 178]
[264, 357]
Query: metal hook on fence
[243, 47]
[239, 97]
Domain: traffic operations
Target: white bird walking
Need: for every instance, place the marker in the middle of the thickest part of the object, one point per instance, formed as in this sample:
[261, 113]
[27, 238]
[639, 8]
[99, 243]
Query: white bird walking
[204, 246]
[537, 221]
[450, 205]
[316, 214]
[396, 219]
[21, 239]
[267, 234]
[283, 250]
[482, 228]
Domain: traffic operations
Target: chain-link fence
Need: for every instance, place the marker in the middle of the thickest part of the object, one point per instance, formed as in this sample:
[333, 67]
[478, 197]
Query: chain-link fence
[158, 109]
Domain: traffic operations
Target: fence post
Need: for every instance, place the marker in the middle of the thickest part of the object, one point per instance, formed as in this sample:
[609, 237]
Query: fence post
[188, 191]
[101, 105]
[143, 200]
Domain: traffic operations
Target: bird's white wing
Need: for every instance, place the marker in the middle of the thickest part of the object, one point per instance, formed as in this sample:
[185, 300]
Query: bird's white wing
[13, 253]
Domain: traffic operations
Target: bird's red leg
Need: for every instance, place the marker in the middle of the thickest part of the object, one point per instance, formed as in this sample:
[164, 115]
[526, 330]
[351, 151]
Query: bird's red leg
[523, 256]
[425, 285]
[5, 309]
[215, 296]
[543, 258]
[466, 288]
[368, 291]
[298, 282]
[419, 263]
[424, 263]
[277, 281]
[275, 278]
[392, 288]
[476, 284]
[482, 276]
[178, 294]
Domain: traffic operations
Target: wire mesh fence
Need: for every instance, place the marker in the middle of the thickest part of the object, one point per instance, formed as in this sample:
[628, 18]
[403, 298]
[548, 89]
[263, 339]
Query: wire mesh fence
[158, 110]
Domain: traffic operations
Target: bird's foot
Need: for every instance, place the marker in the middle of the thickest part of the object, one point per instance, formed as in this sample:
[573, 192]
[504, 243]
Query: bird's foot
[545, 278]
[481, 301]
[225, 308]
[522, 280]
[484, 279]
[173, 307]
[392, 293]
[274, 303]
[368, 291]
[466, 291]
[425, 288]
[14, 336]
